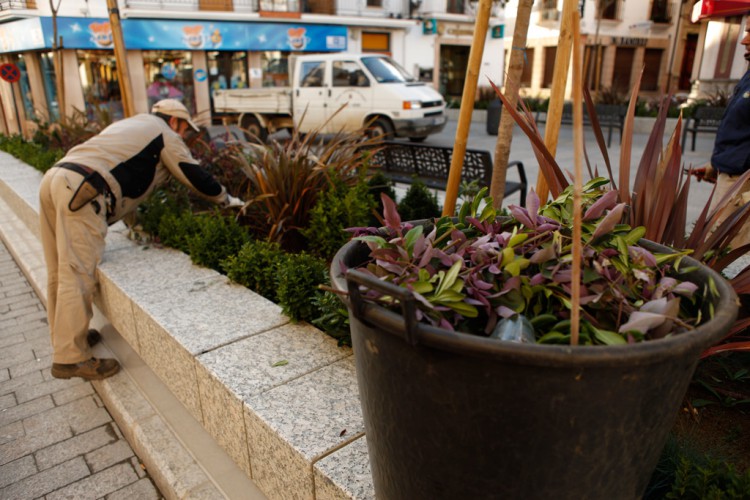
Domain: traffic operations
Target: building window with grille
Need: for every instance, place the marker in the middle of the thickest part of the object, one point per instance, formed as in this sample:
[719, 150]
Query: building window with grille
[660, 11]
[375, 3]
[609, 9]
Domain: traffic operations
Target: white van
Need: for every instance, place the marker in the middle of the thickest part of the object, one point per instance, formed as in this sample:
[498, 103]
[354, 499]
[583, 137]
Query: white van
[334, 92]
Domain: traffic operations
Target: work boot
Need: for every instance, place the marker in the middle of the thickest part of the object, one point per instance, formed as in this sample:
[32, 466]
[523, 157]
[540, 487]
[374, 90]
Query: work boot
[92, 369]
[93, 337]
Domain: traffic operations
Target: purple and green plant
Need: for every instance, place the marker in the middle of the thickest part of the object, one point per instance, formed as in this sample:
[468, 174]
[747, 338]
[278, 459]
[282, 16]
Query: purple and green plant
[472, 272]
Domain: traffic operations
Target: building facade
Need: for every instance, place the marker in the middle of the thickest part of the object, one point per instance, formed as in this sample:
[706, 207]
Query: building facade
[186, 48]
[621, 38]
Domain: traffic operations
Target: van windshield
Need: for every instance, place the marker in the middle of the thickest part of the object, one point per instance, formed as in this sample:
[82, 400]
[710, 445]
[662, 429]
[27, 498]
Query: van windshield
[386, 70]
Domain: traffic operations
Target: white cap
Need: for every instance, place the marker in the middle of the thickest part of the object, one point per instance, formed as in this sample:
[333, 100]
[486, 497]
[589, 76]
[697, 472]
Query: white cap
[173, 107]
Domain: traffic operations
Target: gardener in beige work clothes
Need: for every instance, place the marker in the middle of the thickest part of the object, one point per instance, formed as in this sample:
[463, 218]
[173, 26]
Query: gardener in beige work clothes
[96, 184]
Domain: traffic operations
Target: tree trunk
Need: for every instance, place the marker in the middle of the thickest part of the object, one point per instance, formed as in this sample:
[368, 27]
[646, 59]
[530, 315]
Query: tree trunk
[512, 83]
[58, 62]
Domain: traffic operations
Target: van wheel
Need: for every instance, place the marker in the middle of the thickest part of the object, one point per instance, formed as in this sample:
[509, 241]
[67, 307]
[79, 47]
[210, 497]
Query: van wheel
[253, 130]
[417, 139]
[382, 128]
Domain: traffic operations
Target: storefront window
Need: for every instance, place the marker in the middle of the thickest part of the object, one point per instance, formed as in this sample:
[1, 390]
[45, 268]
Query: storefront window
[227, 70]
[50, 86]
[28, 102]
[275, 66]
[169, 74]
[101, 90]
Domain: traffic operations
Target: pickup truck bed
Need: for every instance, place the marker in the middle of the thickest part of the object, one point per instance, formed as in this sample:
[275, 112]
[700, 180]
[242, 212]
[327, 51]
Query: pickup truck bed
[267, 100]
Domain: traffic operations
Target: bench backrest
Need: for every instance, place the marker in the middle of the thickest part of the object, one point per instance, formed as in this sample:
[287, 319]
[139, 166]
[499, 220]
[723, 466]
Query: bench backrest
[708, 116]
[432, 162]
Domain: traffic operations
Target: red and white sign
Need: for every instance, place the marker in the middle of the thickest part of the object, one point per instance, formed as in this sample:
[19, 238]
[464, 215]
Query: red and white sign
[10, 72]
[708, 9]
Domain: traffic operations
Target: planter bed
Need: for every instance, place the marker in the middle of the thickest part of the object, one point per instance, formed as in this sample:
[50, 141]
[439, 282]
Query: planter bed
[295, 428]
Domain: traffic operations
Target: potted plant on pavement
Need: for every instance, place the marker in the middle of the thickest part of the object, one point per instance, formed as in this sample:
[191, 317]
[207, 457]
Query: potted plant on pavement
[452, 408]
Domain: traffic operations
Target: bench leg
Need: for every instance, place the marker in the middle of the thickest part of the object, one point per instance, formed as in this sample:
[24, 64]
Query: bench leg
[693, 143]
[609, 138]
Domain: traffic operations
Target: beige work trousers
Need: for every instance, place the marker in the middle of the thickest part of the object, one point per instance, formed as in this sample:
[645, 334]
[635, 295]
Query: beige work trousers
[723, 183]
[73, 244]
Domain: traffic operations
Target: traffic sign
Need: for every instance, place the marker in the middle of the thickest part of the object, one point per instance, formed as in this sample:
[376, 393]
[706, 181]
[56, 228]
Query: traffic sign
[10, 72]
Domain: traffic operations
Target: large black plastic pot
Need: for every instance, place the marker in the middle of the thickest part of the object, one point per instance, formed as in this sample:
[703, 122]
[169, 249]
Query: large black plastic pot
[452, 415]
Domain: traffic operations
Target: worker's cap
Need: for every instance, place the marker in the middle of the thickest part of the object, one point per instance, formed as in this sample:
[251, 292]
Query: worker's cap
[173, 107]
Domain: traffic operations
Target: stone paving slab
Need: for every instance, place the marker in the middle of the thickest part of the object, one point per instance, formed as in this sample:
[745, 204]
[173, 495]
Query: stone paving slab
[55, 435]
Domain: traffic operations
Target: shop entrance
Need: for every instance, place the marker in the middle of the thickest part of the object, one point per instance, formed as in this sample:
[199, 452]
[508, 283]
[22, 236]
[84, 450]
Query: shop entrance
[454, 59]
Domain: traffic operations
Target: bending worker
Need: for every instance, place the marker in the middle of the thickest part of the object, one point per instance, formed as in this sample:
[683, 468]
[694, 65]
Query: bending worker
[96, 184]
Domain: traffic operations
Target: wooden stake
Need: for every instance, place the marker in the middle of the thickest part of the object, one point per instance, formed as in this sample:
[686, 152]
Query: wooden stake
[467, 105]
[123, 74]
[557, 95]
[518, 60]
[575, 289]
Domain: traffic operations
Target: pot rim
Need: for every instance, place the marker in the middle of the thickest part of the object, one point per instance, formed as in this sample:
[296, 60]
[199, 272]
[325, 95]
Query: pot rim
[694, 341]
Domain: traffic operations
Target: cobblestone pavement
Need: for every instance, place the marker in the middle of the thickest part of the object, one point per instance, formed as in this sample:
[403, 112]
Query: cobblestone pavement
[57, 439]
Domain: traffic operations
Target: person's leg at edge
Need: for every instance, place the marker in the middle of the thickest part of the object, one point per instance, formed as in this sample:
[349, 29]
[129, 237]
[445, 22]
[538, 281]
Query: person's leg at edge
[74, 243]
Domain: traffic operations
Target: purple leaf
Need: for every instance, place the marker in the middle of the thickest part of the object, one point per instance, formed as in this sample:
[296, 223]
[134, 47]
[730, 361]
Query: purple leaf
[522, 216]
[609, 222]
[390, 213]
[642, 256]
[606, 202]
[642, 322]
[532, 203]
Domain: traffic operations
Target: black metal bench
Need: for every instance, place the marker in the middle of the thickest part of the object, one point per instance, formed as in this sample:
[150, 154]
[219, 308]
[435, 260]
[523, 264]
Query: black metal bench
[404, 162]
[610, 116]
[704, 119]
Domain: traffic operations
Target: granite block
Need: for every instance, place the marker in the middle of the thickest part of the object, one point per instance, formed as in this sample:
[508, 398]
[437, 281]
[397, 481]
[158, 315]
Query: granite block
[174, 365]
[205, 315]
[229, 375]
[117, 307]
[345, 474]
[291, 426]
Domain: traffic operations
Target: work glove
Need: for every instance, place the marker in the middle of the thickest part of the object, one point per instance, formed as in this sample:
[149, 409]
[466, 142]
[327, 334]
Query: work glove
[706, 173]
[232, 202]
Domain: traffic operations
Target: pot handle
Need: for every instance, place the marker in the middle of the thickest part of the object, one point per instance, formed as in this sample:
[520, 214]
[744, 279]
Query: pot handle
[354, 278]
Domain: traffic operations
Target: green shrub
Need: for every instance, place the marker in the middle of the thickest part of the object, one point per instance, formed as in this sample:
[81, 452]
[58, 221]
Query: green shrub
[256, 266]
[338, 208]
[36, 155]
[418, 203]
[299, 278]
[684, 472]
[171, 199]
[175, 229]
[217, 238]
[332, 317]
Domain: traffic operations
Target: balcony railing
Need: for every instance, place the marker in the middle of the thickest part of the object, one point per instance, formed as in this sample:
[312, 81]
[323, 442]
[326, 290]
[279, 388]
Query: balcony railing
[17, 4]
[194, 5]
[365, 8]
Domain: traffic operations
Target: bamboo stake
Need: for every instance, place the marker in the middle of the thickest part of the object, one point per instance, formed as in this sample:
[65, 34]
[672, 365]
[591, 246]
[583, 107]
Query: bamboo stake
[575, 289]
[557, 96]
[467, 105]
[512, 83]
[123, 74]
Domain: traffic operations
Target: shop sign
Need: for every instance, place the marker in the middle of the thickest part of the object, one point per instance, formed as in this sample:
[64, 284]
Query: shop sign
[498, 31]
[624, 41]
[429, 27]
[21, 35]
[200, 75]
[151, 34]
[147, 34]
